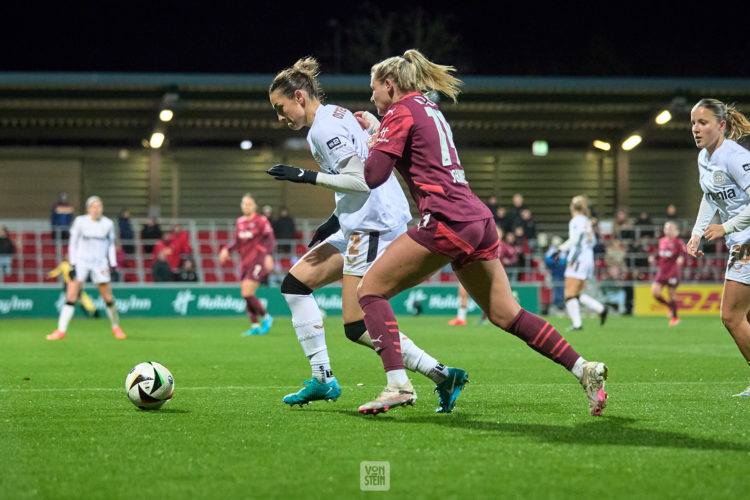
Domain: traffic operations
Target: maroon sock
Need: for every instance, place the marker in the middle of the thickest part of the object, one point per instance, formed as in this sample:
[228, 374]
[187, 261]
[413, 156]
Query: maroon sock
[673, 307]
[662, 300]
[250, 308]
[257, 305]
[543, 338]
[383, 329]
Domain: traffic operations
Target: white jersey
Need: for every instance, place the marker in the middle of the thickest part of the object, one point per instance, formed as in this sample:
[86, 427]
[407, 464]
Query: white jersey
[724, 177]
[336, 135]
[579, 229]
[92, 243]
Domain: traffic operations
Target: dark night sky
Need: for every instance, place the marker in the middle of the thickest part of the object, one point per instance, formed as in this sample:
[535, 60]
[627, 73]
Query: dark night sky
[567, 40]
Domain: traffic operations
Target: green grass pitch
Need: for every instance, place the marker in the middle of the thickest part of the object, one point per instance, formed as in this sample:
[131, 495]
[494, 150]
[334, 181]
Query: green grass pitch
[521, 428]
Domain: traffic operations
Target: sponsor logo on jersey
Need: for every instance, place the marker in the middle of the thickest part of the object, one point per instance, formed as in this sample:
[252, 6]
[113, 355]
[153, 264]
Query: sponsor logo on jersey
[335, 142]
[746, 167]
[245, 234]
[727, 194]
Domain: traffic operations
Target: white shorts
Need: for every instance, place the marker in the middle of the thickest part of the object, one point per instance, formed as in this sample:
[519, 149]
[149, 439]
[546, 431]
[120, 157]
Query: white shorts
[98, 273]
[361, 249]
[582, 269]
[739, 271]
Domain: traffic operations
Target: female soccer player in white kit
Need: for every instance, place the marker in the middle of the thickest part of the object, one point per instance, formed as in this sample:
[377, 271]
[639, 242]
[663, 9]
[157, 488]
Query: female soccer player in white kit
[91, 250]
[724, 175]
[580, 263]
[363, 224]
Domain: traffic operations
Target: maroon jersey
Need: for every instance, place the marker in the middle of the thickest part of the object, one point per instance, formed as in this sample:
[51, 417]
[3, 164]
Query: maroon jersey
[666, 258]
[414, 130]
[253, 238]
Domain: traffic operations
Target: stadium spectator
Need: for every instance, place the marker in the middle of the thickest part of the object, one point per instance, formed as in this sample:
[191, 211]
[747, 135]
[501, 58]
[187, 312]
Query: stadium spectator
[165, 245]
[181, 248]
[186, 272]
[91, 249]
[615, 255]
[644, 225]
[671, 212]
[614, 290]
[267, 212]
[7, 251]
[512, 256]
[723, 167]
[284, 230]
[61, 217]
[528, 225]
[161, 270]
[515, 210]
[126, 232]
[637, 257]
[492, 204]
[456, 227]
[363, 224]
[502, 219]
[623, 226]
[554, 260]
[150, 233]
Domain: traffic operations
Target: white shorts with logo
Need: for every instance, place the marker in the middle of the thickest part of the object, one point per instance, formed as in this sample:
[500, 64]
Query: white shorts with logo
[738, 271]
[360, 249]
[581, 269]
[97, 272]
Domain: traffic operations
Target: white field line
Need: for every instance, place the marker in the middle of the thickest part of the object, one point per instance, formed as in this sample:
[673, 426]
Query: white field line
[255, 387]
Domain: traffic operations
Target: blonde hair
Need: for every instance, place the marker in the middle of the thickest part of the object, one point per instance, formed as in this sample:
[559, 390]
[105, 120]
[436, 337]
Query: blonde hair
[580, 204]
[414, 72]
[302, 76]
[738, 125]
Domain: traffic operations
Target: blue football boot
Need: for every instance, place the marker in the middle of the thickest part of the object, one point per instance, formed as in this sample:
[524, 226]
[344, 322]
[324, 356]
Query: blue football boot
[314, 390]
[449, 389]
[255, 330]
[266, 325]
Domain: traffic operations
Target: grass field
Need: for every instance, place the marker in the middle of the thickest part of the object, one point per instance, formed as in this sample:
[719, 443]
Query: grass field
[521, 428]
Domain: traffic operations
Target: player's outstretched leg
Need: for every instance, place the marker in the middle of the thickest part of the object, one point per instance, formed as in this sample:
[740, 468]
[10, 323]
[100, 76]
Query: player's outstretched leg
[314, 390]
[66, 314]
[114, 319]
[449, 389]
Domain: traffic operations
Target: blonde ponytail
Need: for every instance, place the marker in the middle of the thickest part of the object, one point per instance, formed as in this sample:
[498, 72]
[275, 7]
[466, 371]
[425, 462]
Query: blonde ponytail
[414, 72]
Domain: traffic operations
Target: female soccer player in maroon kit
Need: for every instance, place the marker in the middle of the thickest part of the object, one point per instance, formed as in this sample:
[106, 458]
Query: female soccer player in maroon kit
[670, 257]
[456, 228]
[253, 240]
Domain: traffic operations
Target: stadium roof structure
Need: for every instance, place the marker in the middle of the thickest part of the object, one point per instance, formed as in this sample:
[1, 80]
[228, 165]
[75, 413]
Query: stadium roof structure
[217, 110]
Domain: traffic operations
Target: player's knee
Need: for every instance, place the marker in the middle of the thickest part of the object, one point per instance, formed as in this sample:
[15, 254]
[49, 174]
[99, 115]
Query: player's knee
[731, 321]
[355, 330]
[293, 286]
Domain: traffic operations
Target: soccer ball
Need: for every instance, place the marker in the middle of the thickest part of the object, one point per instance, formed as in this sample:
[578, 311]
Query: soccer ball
[149, 385]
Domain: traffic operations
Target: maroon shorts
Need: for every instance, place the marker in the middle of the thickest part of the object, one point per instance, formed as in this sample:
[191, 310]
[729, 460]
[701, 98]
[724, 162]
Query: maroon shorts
[667, 279]
[253, 269]
[462, 242]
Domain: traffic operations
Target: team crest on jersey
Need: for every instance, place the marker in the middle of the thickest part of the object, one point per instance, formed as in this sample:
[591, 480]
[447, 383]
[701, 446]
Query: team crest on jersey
[333, 143]
[719, 177]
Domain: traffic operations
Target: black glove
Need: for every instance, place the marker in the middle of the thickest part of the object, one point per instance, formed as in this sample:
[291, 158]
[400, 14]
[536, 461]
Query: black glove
[325, 230]
[72, 272]
[294, 174]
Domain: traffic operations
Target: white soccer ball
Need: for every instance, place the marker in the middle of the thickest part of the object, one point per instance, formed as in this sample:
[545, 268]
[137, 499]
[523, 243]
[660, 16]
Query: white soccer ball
[149, 385]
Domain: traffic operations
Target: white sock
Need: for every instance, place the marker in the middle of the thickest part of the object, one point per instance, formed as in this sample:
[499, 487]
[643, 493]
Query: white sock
[591, 303]
[577, 369]
[114, 318]
[574, 311]
[416, 360]
[308, 324]
[396, 377]
[66, 314]
[461, 313]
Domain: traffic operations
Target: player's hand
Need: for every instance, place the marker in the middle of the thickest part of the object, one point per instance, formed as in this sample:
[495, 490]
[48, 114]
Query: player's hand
[325, 230]
[714, 232]
[223, 255]
[293, 174]
[367, 121]
[692, 247]
[268, 263]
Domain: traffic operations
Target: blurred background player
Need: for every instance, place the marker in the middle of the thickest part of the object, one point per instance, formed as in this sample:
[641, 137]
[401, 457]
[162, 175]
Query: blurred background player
[724, 176]
[361, 227]
[670, 258]
[455, 227]
[463, 303]
[580, 263]
[253, 239]
[91, 250]
[84, 301]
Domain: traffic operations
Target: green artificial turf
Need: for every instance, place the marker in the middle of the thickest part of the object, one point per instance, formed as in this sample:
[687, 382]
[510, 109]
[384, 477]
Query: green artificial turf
[520, 429]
